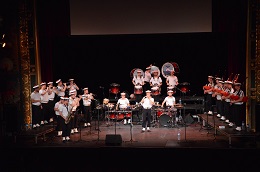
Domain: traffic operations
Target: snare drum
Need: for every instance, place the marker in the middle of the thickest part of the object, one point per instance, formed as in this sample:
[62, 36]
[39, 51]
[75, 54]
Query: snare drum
[128, 114]
[112, 115]
[138, 89]
[155, 90]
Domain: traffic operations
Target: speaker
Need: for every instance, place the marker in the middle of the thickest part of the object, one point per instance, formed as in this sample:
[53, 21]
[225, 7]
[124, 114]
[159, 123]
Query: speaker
[188, 119]
[113, 140]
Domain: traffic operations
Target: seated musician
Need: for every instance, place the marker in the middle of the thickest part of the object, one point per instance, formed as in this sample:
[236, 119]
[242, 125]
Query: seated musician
[169, 102]
[123, 104]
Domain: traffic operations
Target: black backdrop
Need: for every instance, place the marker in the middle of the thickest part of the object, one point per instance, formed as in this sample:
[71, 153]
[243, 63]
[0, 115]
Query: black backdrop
[95, 61]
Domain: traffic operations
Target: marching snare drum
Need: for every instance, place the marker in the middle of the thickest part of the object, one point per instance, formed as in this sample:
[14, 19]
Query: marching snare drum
[155, 90]
[138, 89]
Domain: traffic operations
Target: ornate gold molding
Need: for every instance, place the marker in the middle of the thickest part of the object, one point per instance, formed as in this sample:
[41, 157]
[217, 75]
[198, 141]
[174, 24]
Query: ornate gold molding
[25, 62]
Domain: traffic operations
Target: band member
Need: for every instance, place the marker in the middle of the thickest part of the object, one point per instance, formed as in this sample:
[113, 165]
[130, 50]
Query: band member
[87, 99]
[72, 86]
[147, 78]
[44, 91]
[237, 106]
[172, 80]
[122, 105]
[65, 113]
[61, 88]
[147, 102]
[36, 106]
[58, 117]
[51, 103]
[208, 93]
[156, 83]
[138, 82]
[74, 104]
[226, 101]
[217, 95]
[169, 100]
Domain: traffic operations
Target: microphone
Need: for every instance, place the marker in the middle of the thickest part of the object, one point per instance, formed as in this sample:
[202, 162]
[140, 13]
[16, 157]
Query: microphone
[101, 87]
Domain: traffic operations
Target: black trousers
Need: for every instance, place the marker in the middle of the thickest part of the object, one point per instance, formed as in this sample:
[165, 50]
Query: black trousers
[226, 109]
[36, 114]
[219, 107]
[87, 113]
[146, 118]
[65, 128]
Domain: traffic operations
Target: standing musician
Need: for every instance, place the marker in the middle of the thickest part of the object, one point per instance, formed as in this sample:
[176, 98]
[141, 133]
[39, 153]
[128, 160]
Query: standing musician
[51, 103]
[36, 106]
[237, 109]
[58, 117]
[44, 102]
[147, 78]
[138, 82]
[123, 104]
[61, 88]
[226, 98]
[172, 81]
[208, 93]
[74, 104]
[156, 83]
[217, 95]
[65, 113]
[87, 99]
[147, 102]
[72, 86]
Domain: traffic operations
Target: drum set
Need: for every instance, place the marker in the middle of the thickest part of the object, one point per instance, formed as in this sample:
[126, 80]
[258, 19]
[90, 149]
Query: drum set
[166, 117]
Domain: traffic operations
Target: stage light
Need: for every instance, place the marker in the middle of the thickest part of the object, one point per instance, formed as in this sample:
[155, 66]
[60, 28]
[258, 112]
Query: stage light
[2, 44]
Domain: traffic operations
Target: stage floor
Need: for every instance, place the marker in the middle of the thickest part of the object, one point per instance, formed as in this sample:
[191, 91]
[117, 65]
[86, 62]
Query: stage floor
[98, 148]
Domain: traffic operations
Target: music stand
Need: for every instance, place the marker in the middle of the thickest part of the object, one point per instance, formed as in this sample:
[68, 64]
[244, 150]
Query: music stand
[98, 107]
[80, 140]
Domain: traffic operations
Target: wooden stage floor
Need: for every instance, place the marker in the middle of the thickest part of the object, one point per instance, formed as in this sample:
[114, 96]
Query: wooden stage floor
[99, 145]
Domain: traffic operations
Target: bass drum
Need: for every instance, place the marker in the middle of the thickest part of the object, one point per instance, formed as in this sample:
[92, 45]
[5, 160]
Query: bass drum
[164, 120]
[168, 67]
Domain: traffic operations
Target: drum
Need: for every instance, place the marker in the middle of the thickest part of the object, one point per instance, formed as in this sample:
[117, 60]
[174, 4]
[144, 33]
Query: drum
[184, 87]
[128, 114]
[138, 89]
[114, 88]
[172, 89]
[159, 112]
[112, 115]
[120, 116]
[155, 90]
[168, 67]
[164, 120]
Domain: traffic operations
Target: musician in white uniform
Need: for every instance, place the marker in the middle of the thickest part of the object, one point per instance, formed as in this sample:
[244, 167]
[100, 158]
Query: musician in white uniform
[147, 102]
[87, 99]
[44, 91]
[147, 78]
[74, 104]
[72, 85]
[65, 112]
[61, 88]
[156, 83]
[51, 102]
[138, 82]
[123, 104]
[58, 117]
[208, 93]
[36, 106]
[172, 81]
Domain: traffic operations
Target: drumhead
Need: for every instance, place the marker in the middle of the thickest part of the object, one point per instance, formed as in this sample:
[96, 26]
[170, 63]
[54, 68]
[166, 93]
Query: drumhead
[164, 120]
[155, 68]
[168, 67]
[135, 72]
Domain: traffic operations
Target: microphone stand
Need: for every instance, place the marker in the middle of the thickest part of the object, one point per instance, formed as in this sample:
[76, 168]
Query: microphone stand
[98, 125]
